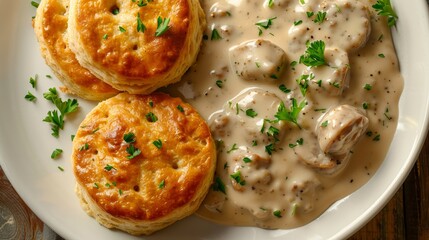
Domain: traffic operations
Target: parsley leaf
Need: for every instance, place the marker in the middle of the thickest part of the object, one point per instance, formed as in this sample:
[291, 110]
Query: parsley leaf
[180, 108]
[109, 167]
[233, 148]
[52, 95]
[140, 26]
[33, 81]
[218, 185]
[284, 89]
[270, 148]
[30, 97]
[277, 213]
[151, 117]
[162, 26]
[34, 4]
[56, 153]
[266, 23]
[129, 137]
[303, 82]
[251, 113]
[237, 177]
[215, 35]
[291, 114]
[384, 8]
[56, 121]
[158, 143]
[133, 151]
[162, 184]
[314, 54]
[320, 17]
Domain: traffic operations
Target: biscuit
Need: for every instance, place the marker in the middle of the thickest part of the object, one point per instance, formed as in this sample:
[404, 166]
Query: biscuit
[118, 41]
[142, 162]
[50, 26]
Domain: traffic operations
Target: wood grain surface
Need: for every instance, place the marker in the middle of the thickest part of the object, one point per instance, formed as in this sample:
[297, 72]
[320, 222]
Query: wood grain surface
[406, 216]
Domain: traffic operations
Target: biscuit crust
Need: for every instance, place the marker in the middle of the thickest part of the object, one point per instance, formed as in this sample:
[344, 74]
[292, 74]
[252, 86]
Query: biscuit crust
[105, 36]
[50, 26]
[157, 187]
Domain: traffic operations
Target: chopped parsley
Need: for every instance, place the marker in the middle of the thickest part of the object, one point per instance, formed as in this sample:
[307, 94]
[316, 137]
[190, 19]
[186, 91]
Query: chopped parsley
[33, 81]
[162, 26]
[56, 153]
[96, 186]
[365, 105]
[302, 82]
[233, 148]
[296, 23]
[284, 89]
[105, 36]
[180, 108]
[270, 3]
[320, 17]
[34, 4]
[277, 213]
[381, 55]
[132, 151]
[30, 97]
[129, 137]
[140, 26]
[158, 143]
[367, 86]
[115, 11]
[218, 185]
[314, 54]
[310, 14]
[61, 168]
[219, 83]
[109, 167]
[237, 178]
[270, 148]
[122, 29]
[251, 113]
[215, 35]
[377, 138]
[247, 160]
[162, 184]
[151, 117]
[84, 147]
[273, 132]
[384, 8]
[264, 24]
[141, 3]
[335, 84]
[324, 124]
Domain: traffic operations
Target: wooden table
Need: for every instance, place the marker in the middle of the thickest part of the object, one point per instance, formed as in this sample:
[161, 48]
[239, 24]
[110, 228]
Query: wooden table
[406, 216]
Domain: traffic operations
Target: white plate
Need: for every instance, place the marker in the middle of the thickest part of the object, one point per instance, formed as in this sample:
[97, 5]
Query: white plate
[26, 145]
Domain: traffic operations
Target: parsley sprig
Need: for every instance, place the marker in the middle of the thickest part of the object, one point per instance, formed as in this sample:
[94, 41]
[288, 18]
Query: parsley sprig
[291, 114]
[162, 26]
[384, 8]
[55, 118]
[314, 54]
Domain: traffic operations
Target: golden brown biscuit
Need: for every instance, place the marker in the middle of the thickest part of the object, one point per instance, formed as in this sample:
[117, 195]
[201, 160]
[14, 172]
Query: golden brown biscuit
[50, 26]
[169, 175]
[118, 41]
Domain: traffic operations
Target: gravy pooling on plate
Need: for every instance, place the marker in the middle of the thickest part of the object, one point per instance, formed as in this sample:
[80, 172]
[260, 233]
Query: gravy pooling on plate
[292, 139]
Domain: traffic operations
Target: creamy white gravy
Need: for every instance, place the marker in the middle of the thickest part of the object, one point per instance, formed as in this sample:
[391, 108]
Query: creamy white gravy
[279, 174]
